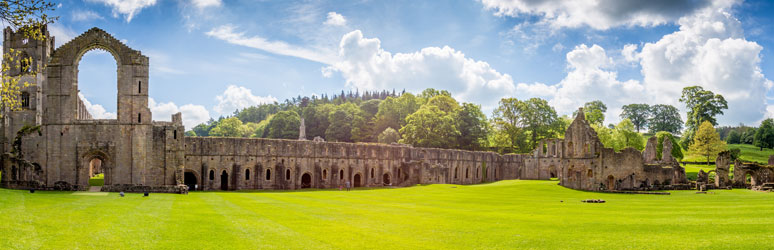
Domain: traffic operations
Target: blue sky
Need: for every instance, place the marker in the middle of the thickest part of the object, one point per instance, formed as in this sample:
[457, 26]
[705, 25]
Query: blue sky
[210, 57]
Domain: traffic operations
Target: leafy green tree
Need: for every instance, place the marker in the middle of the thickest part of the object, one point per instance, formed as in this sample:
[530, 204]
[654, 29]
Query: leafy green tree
[706, 141]
[204, 128]
[393, 111]
[748, 137]
[257, 113]
[284, 125]
[445, 103]
[248, 129]
[429, 93]
[638, 114]
[677, 151]
[341, 120]
[624, 136]
[508, 133]
[473, 127]
[389, 136]
[538, 118]
[702, 105]
[261, 130]
[595, 112]
[316, 119]
[664, 118]
[430, 127]
[190, 133]
[733, 137]
[764, 135]
[229, 127]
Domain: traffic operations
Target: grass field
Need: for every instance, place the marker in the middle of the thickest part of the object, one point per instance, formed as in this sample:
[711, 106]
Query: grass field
[748, 153]
[97, 180]
[502, 215]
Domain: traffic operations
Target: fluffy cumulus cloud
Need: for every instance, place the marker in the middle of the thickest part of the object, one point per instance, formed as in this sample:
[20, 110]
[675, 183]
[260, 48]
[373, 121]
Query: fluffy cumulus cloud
[709, 50]
[601, 14]
[365, 65]
[97, 111]
[238, 97]
[128, 8]
[335, 19]
[85, 15]
[229, 34]
[192, 114]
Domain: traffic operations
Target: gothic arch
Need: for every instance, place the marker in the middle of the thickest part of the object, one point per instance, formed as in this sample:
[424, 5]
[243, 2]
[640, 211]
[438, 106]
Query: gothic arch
[132, 76]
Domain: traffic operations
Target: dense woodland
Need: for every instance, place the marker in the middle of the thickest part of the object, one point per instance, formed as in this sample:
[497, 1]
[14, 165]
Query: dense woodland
[433, 118]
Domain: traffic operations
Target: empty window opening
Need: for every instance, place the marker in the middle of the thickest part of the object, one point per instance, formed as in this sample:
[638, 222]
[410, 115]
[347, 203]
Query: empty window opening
[467, 172]
[341, 174]
[25, 100]
[247, 174]
[268, 174]
[306, 180]
[356, 180]
[325, 174]
[372, 173]
[174, 136]
[455, 173]
[139, 118]
[212, 175]
[287, 174]
[97, 83]
[386, 179]
[139, 87]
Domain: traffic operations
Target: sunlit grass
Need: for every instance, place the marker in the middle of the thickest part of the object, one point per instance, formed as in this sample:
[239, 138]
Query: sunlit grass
[501, 215]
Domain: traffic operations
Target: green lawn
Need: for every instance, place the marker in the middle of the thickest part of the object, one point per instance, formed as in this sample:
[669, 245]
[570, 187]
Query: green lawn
[97, 180]
[748, 153]
[502, 215]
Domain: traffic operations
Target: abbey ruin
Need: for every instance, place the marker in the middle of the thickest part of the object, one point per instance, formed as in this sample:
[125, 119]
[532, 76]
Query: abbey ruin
[54, 144]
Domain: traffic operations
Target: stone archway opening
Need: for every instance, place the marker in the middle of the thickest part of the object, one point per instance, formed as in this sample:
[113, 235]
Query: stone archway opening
[97, 84]
[749, 180]
[224, 180]
[306, 181]
[97, 171]
[386, 179]
[190, 180]
[356, 180]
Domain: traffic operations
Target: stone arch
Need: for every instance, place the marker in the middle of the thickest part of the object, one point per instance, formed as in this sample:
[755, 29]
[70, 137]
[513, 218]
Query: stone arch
[386, 179]
[83, 173]
[268, 174]
[357, 180]
[552, 172]
[306, 180]
[132, 74]
[191, 179]
[224, 180]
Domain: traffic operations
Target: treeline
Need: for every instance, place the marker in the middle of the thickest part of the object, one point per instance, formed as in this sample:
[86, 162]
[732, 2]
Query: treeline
[433, 118]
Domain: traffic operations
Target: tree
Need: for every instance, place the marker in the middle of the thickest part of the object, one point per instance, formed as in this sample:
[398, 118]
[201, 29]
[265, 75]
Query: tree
[229, 127]
[473, 127]
[638, 114]
[764, 135]
[27, 18]
[284, 125]
[538, 118]
[733, 137]
[702, 105]
[595, 112]
[389, 136]
[394, 110]
[619, 137]
[706, 141]
[316, 119]
[430, 127]
[508, 136]
[664, 118]
[341, 120]
[677, 151]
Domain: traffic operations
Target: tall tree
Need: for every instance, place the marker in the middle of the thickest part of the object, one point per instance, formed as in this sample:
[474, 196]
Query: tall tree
[473, 127]
[284, 125]
[341, 120]
[539, 118]
[430, 127]
[508, 133]
[664, 117]
[316, 119]
[733, 137]
[388, 136]
[764, 135]
[706, 141]
[229, 127]
[594, 112]
[638, 114]
[702, 105]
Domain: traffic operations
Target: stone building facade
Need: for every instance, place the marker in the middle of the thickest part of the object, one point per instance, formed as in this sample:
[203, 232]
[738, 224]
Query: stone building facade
[53, 142]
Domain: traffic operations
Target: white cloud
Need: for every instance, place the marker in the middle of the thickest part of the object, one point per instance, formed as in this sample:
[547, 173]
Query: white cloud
[709, 50]
[96, 110]
[192, 114]
[85, 15]
[201, 4]
[366, 66]
[629, 52]
[129, 8]
[238, 97]
[228, 34]
[601, 14]
[335, 19]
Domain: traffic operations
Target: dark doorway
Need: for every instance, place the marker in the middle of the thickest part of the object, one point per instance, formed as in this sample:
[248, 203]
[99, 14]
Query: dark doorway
[189, 178]
[224, 180]
[610, 182]
[357, 180]
[386, 179]
[306, 181]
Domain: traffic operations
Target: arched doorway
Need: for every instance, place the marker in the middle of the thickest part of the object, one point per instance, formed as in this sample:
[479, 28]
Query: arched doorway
[386, 180]
[749, 180]
[306, 181]
[190, 180]
[610, 182]
[356, 180]
[96, 176]
[224, 180]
